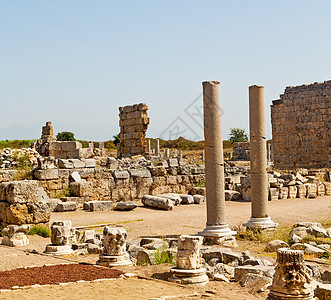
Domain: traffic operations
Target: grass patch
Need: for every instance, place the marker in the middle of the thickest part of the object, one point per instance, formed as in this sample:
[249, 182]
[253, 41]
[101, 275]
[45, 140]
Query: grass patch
[15, 144]
[162, 255]
[40, 230]
[65, 192]
[130, 221]
[23, 174]
[201, 184]
[325, 222]
[317, 240]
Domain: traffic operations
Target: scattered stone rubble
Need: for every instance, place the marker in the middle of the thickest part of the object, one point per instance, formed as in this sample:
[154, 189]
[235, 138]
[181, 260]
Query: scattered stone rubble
[9, 157]
[15, 235]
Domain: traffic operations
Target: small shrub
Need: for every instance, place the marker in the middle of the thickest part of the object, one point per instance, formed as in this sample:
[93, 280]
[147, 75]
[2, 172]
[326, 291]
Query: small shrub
[65, 192]
[23, 162]
[40, 230]
[162, 255]
[201, 184]
[65, 136]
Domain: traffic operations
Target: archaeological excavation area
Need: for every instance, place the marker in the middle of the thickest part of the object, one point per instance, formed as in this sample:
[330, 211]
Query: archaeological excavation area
[146, 221]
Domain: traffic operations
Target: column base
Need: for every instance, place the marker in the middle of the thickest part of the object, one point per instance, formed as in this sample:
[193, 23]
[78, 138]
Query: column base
[219, 235]
[260, 223]
[58, 250]
[114, 260]
[280, 296]
[195, 277]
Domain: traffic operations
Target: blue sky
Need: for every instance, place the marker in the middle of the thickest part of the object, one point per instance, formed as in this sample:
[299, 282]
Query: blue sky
[75, 62]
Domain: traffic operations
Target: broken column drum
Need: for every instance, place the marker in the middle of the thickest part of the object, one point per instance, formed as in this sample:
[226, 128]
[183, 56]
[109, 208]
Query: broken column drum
[258, 160]
[114, 252]
[189, 269]
[61, 238]
[291, 279]
[217, 227]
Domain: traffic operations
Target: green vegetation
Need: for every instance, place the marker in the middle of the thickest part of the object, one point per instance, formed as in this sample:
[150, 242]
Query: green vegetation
[116, 139]
[162, 255]
[65, 192]
[238, 135]
[40, 230]
[65, 136]
[201, 184]
[15, 144]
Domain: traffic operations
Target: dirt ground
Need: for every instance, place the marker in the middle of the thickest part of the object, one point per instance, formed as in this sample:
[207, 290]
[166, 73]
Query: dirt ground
[187, 219]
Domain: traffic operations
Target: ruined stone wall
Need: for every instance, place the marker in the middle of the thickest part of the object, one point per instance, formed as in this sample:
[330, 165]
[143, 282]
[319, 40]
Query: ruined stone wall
[301, 126]
[133, 123]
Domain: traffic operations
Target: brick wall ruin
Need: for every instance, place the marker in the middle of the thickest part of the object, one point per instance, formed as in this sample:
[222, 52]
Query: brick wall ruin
[301, 126]
[133, 123]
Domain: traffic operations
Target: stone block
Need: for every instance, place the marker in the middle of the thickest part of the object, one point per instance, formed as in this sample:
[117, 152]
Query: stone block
[301, 191]
[157, 202]
[101, 205]
[232, 195]
[173, 162]
[144, 173]
[321, 190]
[186, 199]
[311, 190]
[65, 164]
[90, 163]
[52, 203]
[82, 189]
[327, 188]
[75, 176]
[70, 146]
[198, 199]
[112, 163]
[66, 206]
[125, 206]
[283, 192]
[21, 191]
[241, 271]
[48, 174]
[121, 174]
[273, 194]
[292, 192]
[77, 163]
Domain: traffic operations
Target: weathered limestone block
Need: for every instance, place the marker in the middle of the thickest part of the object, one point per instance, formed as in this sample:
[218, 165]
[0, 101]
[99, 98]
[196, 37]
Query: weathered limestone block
[302, 191]
[121, 174]
[327, 188]
[114, 253]
[198, 199]
[21, 191]
[82, 189]
[61, 235]
[157, 202]
[311, 190]
[189, 268]
[186, 199]
[125, 206]
[241, 271]
[47, 174]
[321, 190]
[70, 146]
[66, 206]
[292, 191]
[144, 173]
[65, 164]
[283, 192]
[14, 235]
[292, 278]
[273, 194]
[172, 196]
[77, 163]
[101, 205]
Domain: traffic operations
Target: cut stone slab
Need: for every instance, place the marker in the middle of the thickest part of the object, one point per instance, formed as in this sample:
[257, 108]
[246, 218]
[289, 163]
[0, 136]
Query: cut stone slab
[101, 205]
[157, 202]
[75, 176]
[90, 163]
[52, 203]
[186, 199]
[198, 199]
[173, 197]
[142, 173]
[125, 206]
[259, 279]
[48, 174]
[121, 174]
[82, 189]
[66, 206]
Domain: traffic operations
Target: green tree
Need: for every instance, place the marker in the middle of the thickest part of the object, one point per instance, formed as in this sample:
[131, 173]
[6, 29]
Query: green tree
[238, 135]
[65, 136]
[116, 139]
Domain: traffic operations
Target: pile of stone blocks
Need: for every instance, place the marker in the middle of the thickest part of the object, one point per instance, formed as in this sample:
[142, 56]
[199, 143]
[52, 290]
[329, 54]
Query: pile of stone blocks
[47, 137]
[241, 151]
[21, 203]
[301, 127]
[133, 123]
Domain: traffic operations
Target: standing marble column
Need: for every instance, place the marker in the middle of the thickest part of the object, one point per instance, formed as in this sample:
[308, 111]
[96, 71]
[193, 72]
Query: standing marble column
[269, 152]
[216, 228]
[149, 146]
[166, 152]
[258, 160]
[157, 147]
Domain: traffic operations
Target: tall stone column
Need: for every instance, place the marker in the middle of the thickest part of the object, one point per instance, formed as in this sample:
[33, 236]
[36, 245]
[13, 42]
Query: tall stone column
[157, 147]
[216, 228]
[258, 160]
[149, 146]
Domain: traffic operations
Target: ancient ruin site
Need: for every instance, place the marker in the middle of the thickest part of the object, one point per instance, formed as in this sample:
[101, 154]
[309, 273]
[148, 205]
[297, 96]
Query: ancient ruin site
[157, 150]
[148, 222]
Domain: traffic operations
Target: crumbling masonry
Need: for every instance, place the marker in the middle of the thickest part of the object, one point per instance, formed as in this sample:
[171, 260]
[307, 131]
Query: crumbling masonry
[301, 126]
[133, 123]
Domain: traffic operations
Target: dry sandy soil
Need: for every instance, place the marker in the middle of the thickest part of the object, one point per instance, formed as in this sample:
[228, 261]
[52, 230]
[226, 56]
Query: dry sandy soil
[146, 222]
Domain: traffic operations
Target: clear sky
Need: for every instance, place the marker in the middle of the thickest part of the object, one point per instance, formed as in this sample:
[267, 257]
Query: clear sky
[75, 62]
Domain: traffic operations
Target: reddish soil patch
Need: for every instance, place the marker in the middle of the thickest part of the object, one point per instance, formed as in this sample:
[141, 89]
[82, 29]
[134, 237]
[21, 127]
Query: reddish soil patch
[54, 274]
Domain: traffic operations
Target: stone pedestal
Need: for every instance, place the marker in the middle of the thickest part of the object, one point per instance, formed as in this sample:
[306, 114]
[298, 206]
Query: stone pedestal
[60, 238]
[258, 160]
[114, 252]
[15, 236]
[188, 268]
[214, 165]
[291, 279]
